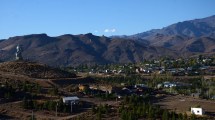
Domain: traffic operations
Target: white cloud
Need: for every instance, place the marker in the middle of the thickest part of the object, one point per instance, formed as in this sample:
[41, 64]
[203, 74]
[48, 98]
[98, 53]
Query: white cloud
[110, 30]
[96, 31]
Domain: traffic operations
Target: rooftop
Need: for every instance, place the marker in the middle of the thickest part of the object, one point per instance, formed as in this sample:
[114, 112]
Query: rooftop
[71, 98]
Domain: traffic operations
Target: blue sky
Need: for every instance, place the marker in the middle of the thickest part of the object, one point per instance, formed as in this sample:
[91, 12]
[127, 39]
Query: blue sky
[100, 17]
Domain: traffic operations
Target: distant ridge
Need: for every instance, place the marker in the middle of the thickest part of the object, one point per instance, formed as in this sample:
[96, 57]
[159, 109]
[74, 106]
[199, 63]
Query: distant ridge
[193, 36]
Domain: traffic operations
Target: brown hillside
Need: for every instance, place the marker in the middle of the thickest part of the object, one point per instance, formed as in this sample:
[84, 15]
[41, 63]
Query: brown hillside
[33, 70]
[74, 50]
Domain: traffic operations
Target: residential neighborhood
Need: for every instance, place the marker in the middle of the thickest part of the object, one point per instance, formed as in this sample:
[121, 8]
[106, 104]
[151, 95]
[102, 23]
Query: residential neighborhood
[115, 86]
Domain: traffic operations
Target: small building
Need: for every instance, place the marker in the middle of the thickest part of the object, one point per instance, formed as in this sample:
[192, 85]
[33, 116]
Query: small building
[68, 100]
[169, 85]
[213, 97]
[195, 95]
[197, 111]
[123, 92]
[140, 85]
[159, 85]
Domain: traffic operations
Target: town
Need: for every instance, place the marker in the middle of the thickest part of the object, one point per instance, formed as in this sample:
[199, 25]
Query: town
[163, 89]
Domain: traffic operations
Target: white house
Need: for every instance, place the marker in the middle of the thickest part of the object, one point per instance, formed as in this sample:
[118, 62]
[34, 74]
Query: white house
[197, 111]
[169, 85]
[140, 85]
[68, 100]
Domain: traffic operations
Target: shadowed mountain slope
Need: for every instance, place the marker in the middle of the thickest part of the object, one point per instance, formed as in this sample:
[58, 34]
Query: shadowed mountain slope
[69, 50]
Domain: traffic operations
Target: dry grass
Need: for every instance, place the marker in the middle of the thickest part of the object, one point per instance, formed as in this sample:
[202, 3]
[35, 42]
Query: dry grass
[182, 104]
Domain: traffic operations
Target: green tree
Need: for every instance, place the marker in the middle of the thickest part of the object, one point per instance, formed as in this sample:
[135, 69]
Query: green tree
[151, 112]
[180, 116]
[7, 95]
[124, 115]
[165, 115]
[53, 91]
[99, 115]
[185, 116]
[193, 117]
[173, 116]
[24, 103]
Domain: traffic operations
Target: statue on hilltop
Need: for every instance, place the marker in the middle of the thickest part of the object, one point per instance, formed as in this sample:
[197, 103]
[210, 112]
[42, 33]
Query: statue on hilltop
[19, 52]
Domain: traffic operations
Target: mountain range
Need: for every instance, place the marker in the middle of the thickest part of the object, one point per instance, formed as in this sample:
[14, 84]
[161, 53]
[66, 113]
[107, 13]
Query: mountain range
[182, 39]
[188, 37]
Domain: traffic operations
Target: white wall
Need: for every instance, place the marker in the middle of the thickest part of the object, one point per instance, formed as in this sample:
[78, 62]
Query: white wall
[197, 111]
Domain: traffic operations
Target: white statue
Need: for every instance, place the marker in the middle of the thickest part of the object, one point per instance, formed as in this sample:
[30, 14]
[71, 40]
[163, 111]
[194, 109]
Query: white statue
[18, 52]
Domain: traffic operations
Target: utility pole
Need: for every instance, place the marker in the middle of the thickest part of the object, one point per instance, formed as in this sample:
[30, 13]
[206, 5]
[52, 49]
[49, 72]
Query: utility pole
[56, 109]
[71, 105]
[32, 117]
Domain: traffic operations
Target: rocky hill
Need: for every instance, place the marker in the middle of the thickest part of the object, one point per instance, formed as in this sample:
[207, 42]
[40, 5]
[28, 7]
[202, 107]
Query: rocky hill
[34, 70]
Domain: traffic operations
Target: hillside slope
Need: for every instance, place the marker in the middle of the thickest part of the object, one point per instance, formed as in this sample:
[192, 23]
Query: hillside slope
[33, 70]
